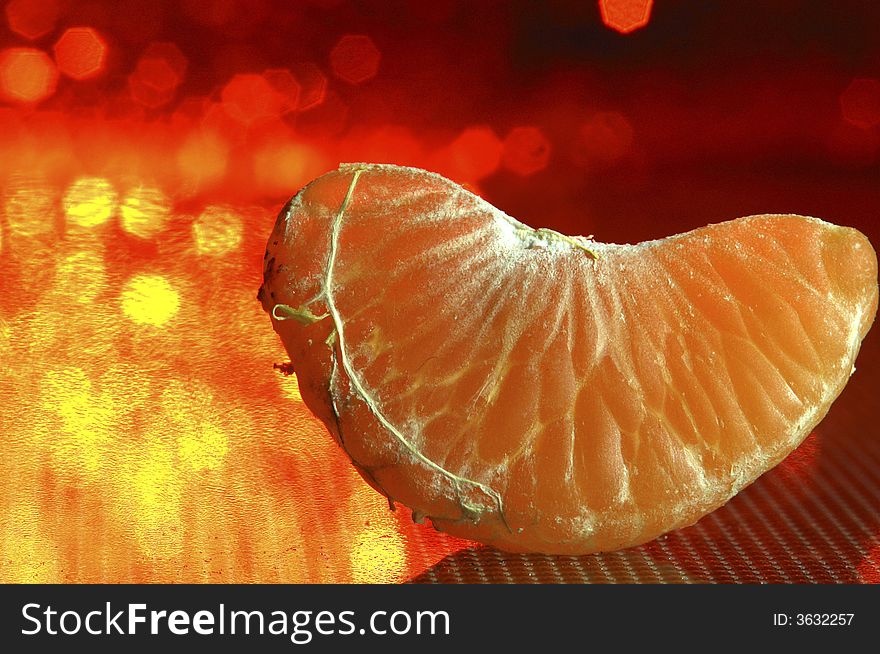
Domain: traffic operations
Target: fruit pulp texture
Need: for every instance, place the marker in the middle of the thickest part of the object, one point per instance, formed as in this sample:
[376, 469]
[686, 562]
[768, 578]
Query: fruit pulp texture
[522, 392]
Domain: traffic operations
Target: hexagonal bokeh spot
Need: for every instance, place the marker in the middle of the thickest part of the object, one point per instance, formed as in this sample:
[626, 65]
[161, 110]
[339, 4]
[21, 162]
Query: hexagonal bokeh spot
[32, 18]
[355, 58]
[286, 85]
[27, 75]
[81, 53]
[250, 98]
[312, 84]
[625, 16]
[475, 153]
[525, 150]
[860, 102]
[159, 71]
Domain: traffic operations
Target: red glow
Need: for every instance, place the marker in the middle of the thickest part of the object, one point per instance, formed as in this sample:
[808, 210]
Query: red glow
[312, 84]
[32, 18]
[285, 84]
[526, 151]
[250, 98]
[860, 102]
[27, 75]
[355, 58]
[475, 154]
[605, 138]
[80, 53]
[625, 16]
[160, 70]
[851, 146]
[869, 568]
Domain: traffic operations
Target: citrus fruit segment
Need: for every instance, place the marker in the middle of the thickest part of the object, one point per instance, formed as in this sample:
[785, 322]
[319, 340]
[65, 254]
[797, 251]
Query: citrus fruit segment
[540, 392]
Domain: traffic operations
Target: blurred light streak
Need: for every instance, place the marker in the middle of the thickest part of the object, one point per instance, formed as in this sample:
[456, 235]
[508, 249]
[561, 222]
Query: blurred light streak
[80, 53]
[149, 300]
[625, 16]
[27, 75]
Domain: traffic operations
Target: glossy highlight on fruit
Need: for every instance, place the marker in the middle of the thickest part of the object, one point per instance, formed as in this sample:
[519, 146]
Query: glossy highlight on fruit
[547, 393]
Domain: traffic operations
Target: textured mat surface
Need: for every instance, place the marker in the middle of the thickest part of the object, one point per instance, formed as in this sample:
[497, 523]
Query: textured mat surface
[815, 518]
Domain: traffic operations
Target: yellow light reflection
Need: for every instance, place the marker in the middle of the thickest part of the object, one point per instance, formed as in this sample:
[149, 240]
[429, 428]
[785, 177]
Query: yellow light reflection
[150, 496]
[202, 440]
[80, 277]
[144, 212]
[5, 340]
[378, 552]
[30, 207]
[90, 201]
[85, 421]
[27, 556]
[126, 386]
[203, 446]
[290, 387]
[150, 300]
[217, 231]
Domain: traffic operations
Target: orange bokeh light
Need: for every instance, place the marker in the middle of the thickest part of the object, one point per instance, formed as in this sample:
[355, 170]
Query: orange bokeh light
[160, 70]
[81, 53]
[475, 154]
[286, 85]
[355, 58]
[860, 102]
[27, 75]
[32, 18]
[605, 138]
[202, 158]
[250, 98]
[526, 151]
[852, 146]
[625, 16]
[312, 84]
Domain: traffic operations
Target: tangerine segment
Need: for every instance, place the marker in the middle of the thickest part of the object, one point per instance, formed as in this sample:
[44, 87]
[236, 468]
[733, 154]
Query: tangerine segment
[543, 393]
